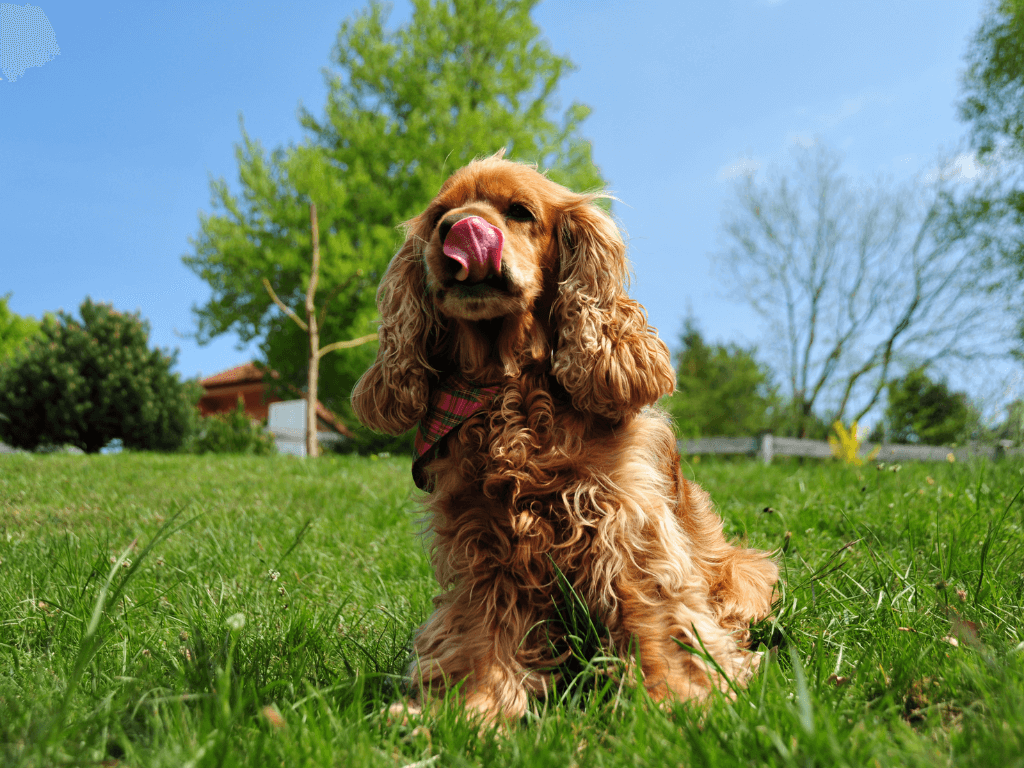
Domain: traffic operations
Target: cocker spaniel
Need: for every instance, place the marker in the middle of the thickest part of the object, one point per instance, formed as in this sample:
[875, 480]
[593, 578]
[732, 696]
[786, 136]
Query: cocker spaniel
[508, 337]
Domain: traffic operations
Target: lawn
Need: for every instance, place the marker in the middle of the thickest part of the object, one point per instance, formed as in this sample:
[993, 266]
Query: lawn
[179, 610]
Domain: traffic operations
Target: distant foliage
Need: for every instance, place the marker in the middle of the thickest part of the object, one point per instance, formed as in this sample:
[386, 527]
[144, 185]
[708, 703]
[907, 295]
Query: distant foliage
[722, 390]
[993, 79]
[231, 432]
[367, 442]
[14, 329]
[993, 107]
[86, 383]
[794, 419]
[924, 411]
[1012, 428]
[849, 277]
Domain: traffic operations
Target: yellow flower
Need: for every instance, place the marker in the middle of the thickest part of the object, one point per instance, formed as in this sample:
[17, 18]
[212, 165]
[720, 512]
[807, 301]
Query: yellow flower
[846, 445]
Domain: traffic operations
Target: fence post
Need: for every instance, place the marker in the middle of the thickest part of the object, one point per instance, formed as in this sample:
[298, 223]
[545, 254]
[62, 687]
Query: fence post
[767, 451]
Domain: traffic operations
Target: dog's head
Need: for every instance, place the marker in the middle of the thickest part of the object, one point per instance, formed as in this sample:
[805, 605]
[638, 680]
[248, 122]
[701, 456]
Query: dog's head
[506, 268]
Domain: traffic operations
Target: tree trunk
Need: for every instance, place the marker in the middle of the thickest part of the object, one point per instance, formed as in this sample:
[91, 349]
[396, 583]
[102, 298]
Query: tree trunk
[312, 329]
[312, 445]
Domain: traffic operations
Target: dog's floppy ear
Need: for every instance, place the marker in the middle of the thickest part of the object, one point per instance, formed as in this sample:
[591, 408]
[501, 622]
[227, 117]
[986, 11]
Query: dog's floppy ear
[609, 360]
[393, 394]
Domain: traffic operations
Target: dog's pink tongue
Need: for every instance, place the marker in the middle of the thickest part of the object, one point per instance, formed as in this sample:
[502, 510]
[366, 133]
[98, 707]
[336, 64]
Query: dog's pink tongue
[476, 245]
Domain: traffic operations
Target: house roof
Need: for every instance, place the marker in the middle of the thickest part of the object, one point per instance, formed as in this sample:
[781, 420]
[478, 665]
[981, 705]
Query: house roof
[247, 373]
[324, 415]
[250, 373]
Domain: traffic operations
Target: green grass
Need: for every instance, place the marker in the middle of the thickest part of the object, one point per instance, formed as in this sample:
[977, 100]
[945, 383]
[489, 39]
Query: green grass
[122, 577]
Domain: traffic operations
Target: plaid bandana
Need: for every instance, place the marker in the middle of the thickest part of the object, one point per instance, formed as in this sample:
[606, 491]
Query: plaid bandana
[452, 402]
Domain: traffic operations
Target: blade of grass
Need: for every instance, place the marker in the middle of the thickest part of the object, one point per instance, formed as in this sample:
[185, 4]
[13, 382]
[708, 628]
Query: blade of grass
[92, 640]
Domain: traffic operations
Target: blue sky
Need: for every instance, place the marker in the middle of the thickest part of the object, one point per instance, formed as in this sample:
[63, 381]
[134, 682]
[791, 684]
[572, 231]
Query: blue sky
[106, 151]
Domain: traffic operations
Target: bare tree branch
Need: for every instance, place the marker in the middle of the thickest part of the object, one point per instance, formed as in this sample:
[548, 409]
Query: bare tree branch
[853, 280]
[284, 307]
[312, 327]
[348, 344]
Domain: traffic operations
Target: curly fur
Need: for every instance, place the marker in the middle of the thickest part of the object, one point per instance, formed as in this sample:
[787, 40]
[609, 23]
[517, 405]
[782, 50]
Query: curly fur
[569, 465]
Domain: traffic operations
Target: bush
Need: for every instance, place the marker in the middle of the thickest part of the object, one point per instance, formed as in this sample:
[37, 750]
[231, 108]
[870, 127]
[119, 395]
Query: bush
[87, 383]
[231, 432]
[924, 411]
[366, 442]
[721, 390]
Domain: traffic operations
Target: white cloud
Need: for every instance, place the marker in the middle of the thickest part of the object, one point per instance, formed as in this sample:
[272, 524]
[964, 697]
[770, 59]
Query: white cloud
[963, 167]
[745, 166]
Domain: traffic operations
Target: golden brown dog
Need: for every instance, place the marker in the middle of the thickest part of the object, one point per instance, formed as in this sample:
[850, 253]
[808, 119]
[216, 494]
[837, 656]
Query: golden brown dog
[507, 335]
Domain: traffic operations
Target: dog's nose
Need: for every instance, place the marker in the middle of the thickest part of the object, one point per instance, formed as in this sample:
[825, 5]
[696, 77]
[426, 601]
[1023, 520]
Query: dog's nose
[474, 244]
[448, 222]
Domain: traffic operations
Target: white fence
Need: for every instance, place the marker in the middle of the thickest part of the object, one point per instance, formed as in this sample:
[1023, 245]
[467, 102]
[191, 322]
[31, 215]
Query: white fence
[767, 447]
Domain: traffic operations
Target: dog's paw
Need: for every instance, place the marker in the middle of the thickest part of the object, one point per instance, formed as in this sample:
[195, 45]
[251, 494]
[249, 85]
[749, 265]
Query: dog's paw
[401, 712]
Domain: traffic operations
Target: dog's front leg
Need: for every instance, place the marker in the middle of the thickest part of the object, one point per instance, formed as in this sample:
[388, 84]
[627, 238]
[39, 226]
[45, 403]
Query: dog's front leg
[675, 634]
[463, 648]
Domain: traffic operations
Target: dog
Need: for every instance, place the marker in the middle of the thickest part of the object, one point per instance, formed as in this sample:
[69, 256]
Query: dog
[508, 337]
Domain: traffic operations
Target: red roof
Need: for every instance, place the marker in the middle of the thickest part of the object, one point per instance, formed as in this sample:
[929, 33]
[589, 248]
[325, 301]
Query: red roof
[252, 374]
[331, 420]
[247, 373]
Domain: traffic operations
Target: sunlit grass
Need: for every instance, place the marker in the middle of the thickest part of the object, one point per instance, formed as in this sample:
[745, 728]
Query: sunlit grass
[173, 610]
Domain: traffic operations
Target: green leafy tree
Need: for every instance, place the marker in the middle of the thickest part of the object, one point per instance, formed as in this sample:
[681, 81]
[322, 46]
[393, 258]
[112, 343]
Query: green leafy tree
[405, 108]
[921, 410]
[993, 106]
[721, 390]
[86, 383]
[14, 329]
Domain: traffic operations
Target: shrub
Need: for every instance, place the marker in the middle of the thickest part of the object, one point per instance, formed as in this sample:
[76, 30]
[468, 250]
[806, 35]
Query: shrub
[721, 389]
[921, 410]
[87, 383]
[231, 432]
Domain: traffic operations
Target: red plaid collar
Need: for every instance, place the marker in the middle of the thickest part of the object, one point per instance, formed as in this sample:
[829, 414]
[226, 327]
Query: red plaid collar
[452, 402]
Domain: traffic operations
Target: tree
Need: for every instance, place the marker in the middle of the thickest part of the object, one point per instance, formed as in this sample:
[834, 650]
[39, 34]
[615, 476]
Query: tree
[14, 329]
[721, 390]
[87, 383]
[921, 410]
[311, 325]
[993, 104]
[405, 108]
[849, 279]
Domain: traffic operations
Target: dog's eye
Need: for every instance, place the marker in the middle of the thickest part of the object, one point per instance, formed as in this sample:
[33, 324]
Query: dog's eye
[518, 212]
